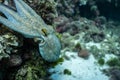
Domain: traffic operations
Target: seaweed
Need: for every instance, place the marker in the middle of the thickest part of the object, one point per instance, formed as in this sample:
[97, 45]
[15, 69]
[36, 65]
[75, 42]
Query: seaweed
[67, 71]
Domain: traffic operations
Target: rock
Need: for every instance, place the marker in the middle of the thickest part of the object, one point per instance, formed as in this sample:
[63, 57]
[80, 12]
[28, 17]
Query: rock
[61, 23]
[115, 74]
[9, 44]
[45, 8]
[15, 60]
[97, 37]
[78, 47]
[26, 56]
[83, 53]
[99, 21]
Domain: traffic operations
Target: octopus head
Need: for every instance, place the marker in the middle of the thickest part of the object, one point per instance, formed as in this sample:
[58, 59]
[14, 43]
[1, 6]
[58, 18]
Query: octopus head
[50, 48]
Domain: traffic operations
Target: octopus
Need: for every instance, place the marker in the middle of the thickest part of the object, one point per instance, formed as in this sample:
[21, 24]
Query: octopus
[24, 20]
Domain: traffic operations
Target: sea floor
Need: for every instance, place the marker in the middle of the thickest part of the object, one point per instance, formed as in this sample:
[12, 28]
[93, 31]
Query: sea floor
[81, 69]
[103, 54]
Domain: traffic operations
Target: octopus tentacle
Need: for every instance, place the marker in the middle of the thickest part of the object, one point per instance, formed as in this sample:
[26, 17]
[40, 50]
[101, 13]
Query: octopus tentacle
[10, 14]
[21, 10]
[27, 12]
[7, 23]
[29, 9]
[17, 27]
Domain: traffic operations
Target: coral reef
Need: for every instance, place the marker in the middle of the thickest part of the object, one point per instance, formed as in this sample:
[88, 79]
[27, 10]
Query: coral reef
[85, 29]
[8, 44]
[16, 51]
[100, 39]
[45, 8]
[95, 8]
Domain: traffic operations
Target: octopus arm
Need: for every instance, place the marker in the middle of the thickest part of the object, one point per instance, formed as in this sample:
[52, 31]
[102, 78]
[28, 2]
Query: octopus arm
[24, 9]
[7, 23]
[16, 27]
[10, 14]
[21, 10]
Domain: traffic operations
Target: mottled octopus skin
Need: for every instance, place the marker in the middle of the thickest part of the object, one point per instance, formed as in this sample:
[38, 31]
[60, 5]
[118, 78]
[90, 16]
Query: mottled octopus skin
[28, 23]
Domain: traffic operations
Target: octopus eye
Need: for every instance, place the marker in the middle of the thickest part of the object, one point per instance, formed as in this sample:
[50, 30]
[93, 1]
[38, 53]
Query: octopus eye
[44, 32]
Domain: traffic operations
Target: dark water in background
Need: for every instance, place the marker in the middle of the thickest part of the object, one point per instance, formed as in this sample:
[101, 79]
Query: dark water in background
[111, 10]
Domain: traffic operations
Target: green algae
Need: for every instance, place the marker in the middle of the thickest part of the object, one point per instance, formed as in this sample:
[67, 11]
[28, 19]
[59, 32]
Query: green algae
[33, 69]
[101, 61]
[78, 47]
[113, 62]
[36, 68]
[59, 61]
[67, 71]
[58, 35]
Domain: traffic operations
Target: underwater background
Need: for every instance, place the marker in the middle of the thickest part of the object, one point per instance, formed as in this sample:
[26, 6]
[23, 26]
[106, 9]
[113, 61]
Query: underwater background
[89, 33]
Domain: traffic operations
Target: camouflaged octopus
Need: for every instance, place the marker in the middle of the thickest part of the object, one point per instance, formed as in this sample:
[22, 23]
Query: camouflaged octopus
[28, 23]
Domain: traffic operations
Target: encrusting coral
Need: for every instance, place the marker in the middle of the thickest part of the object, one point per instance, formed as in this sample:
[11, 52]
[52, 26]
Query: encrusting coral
[8, 44]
